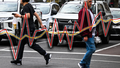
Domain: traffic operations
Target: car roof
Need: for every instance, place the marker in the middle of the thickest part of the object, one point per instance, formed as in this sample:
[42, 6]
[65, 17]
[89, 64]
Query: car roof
[43, 3]
[80, 2]
[114, 8]
[9, 0]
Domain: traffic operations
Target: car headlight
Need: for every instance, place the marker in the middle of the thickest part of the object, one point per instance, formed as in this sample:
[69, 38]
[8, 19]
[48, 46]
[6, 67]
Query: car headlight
[10, 18]
[45, 19]
[5, 18]
[51, 23]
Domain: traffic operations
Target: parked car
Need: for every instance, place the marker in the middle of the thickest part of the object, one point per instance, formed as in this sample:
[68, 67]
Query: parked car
[68, 14]
[12, 24]
[111, 3]
[48, 10]
[116, 22]
[39, 12]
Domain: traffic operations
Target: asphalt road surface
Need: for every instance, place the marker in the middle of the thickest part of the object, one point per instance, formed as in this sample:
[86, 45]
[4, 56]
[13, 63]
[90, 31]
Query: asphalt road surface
[106, 55]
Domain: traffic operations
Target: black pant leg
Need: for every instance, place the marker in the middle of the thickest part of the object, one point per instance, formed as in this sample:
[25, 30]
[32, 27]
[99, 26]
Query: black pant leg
[21, 48]
[37, 48]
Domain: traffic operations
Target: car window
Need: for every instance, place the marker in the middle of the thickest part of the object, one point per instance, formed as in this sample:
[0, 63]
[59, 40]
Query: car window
[54, 8]
[8, 7]
[106, 7]
[100, 8]
[115, 13]
[57, 7]
[45, 9]
[71, 8]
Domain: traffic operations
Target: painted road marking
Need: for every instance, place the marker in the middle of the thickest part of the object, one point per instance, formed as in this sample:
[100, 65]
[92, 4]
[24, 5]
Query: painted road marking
[106, 61]
[77, 53]
[107, 47]
[7, 49]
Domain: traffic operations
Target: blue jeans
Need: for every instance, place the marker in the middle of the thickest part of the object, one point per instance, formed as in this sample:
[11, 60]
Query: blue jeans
[90, 46]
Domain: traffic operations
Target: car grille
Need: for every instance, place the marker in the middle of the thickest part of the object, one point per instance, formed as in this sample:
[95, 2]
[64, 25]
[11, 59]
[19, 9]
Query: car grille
[115, 31]
[63, 22]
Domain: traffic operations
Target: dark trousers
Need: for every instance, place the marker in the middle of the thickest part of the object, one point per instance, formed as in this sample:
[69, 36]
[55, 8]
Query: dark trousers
[34, 46]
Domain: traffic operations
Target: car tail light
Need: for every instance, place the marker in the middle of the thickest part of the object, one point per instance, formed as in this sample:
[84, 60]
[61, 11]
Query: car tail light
[41, 14]
[111, 2]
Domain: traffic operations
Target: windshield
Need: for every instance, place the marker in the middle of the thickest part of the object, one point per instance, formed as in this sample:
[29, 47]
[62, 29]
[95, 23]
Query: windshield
[115, 13]
[45, 9]
[8, 6]
[71, 8]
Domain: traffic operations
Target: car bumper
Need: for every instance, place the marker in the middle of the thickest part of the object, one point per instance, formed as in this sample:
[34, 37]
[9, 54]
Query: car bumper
[115, 32]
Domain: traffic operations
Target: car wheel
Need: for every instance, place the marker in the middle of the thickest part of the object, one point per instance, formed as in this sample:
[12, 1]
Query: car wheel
[0, 39]
[105, 40]
[54, 41]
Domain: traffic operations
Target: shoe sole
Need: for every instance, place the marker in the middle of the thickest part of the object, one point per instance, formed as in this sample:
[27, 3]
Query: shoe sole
[79, 65]
[50, 57]
[16, 64]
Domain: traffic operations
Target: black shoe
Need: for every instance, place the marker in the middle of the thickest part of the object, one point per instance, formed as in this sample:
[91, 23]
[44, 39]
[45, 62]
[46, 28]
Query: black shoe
[16, 62]
[47, 58]
[81, 65]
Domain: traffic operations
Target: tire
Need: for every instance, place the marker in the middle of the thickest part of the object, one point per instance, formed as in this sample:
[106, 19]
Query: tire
[0, 39]
[54, 41]
[105, 40]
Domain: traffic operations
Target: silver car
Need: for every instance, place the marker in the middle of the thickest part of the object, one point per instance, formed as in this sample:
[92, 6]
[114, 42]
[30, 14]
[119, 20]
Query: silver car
[116, 22]
[48, 10]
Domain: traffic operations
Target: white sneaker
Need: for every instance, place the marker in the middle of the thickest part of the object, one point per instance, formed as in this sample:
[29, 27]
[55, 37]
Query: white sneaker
[97, 40]
[79, 65]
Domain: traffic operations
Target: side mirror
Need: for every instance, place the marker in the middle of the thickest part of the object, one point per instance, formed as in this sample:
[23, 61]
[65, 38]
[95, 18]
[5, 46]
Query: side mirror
[54, 12]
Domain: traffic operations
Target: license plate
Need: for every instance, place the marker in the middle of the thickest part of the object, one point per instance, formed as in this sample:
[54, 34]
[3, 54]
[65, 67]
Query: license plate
[116, 27]
[69, 26]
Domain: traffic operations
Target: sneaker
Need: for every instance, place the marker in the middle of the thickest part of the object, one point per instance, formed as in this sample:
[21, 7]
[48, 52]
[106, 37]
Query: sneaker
[47, 58]
[16, 62]
[81, 65]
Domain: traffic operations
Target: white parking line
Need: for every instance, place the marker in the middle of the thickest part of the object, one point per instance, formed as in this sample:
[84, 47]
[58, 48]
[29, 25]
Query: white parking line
[107, 47]
[7, 49]
[74, 53]
[106, 61]
[4, 48]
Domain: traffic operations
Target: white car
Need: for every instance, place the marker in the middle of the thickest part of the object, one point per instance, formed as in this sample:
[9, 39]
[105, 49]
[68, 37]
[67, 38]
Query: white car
[7, 20]
[116, 21]
[48, 10]
[12, 24]
[68, 14]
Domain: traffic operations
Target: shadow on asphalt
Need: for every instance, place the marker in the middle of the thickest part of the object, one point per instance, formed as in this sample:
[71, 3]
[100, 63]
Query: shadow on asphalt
[4, 42]
[115, 38]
